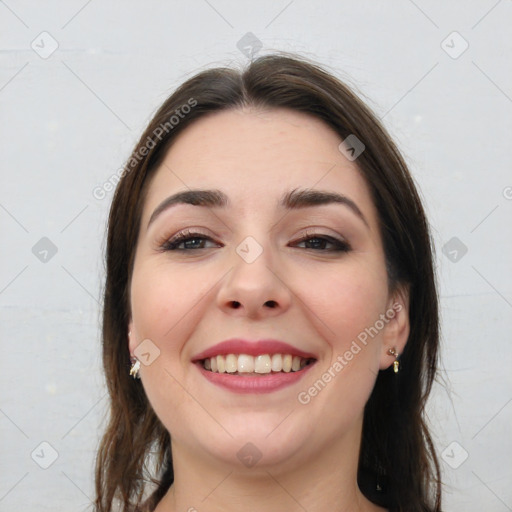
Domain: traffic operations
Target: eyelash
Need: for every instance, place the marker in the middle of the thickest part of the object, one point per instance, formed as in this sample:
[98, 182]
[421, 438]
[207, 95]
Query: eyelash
[185, 236]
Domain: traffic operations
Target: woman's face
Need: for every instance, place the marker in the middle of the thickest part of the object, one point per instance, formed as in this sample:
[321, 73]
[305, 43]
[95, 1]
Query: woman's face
[272, 262]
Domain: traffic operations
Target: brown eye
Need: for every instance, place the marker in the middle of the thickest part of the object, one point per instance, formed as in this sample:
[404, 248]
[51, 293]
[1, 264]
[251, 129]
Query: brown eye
[319, 243]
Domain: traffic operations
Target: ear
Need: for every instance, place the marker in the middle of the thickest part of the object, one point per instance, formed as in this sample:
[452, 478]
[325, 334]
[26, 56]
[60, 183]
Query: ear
[396, 331]
[132, 337]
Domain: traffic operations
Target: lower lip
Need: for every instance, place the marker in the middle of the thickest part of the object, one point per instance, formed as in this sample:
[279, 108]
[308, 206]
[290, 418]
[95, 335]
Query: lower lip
[265, 384]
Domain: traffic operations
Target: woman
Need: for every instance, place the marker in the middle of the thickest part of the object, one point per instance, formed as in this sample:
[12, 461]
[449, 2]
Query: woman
[270, 286]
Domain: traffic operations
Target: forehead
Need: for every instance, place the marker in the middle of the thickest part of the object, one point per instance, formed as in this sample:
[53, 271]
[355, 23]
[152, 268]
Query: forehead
[255, 156]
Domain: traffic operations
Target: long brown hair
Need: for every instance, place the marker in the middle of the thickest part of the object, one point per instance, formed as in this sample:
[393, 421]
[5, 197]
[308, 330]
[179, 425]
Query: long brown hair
[397, 455]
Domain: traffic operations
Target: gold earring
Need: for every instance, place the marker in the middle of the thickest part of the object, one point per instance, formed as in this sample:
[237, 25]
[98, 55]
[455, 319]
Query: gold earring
[396, 362]
[134, 370]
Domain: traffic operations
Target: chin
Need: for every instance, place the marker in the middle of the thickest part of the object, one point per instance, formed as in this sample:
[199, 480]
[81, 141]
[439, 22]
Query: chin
[263, 440]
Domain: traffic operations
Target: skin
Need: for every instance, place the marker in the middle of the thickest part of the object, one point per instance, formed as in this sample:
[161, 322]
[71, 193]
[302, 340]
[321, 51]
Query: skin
[183, 302]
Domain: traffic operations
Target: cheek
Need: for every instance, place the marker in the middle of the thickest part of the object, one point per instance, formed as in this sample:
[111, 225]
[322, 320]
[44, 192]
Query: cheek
[163, 310]
[347, 301]
[161, 301]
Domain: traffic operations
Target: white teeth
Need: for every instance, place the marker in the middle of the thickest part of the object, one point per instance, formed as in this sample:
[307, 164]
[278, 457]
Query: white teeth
[221, 364]
[287, 363]
[261, 364]
[277, 363]
[231, 363]
[245, 363]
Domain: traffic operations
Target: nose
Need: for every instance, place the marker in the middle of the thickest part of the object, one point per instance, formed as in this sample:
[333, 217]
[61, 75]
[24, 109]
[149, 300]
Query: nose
[254, 290]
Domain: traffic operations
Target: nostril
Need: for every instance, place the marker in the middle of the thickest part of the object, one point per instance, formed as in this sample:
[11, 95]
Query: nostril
[270, 303]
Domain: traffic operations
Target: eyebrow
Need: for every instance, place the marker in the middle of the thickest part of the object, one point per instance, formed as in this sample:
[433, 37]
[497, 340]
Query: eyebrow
[295, 199]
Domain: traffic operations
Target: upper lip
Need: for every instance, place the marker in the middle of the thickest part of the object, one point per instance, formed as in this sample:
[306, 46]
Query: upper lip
[252, 348]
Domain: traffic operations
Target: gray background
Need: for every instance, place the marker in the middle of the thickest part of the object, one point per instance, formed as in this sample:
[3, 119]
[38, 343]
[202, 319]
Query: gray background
[70, 119]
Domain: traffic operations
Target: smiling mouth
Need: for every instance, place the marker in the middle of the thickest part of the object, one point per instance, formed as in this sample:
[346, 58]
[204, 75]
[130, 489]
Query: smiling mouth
[250, 366]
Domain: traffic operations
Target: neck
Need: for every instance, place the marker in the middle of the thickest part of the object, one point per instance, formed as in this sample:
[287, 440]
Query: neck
[316, 482]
